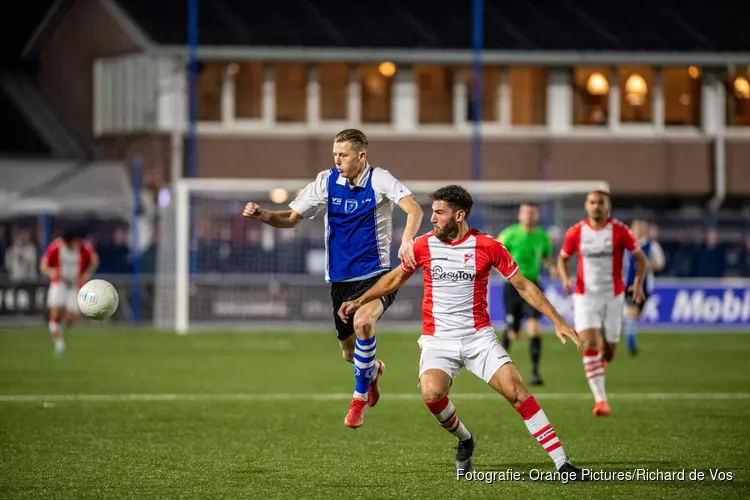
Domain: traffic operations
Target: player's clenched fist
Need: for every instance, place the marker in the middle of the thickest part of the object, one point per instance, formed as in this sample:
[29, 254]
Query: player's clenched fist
[252, 211]
[347, 309]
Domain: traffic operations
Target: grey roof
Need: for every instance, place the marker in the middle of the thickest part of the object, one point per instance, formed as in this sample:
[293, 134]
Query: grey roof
[46, 186]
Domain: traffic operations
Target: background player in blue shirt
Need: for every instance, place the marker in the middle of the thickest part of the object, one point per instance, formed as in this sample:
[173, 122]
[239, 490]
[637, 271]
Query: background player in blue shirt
[356, 201]
[655, 256]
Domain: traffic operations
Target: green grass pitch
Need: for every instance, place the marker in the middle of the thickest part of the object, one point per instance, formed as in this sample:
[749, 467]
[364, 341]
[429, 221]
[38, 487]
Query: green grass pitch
[139, 414]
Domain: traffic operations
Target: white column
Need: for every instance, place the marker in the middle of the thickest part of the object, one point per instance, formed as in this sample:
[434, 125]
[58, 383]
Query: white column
[172, 95]
[404, 99]
[99, 97]
[559, 99]
[130, 69]
[228, 95]
[313, 97]
[460, 99]
[268, 96]
[658, 100]
[720, 154]
[711, 107]
[354, 104]
[174, 112]
[504, 98]
[614, 100]
[721, 109]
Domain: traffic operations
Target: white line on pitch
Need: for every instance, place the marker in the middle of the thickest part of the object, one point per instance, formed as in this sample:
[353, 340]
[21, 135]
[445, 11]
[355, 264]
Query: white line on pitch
[115, 398]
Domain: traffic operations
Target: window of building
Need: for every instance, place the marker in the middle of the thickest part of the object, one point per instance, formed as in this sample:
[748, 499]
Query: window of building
[376, 81]
[528, 91]
[248, 89]
[682, 95]
[490, 93]
[591, 95]
[435, 84]
[333, 80]
[738, 99]
[210, 78]
[636, 93]
[291, 92]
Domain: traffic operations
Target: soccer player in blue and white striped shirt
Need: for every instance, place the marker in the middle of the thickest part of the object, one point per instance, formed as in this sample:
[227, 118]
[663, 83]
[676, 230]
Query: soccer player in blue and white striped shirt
[655, 256]
[357, 202]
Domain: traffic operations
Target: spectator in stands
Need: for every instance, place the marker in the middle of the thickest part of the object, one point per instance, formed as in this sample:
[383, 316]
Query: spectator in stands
[114, 255]
[712, 258]
[684, 256]
[21, 260]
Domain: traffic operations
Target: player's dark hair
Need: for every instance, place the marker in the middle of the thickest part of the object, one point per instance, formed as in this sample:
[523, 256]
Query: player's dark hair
[455, 196]
[356, 137]
[68, 235]
[601, 192]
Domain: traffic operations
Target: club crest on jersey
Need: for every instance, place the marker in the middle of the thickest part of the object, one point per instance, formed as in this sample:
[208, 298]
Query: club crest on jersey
[350, 206]
[608, 241]
[469, 260]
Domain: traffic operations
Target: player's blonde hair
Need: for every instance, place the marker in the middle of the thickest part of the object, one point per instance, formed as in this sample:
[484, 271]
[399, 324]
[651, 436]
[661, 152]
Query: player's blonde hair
[356, 137]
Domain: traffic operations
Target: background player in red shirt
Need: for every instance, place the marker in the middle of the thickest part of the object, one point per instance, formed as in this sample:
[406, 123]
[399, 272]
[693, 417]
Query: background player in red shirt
[69, 262]
[456, 328]
[599, 242]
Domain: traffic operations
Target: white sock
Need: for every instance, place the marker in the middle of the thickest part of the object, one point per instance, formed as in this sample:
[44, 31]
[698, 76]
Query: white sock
[538, 425]
[594, 368]
[56, 330]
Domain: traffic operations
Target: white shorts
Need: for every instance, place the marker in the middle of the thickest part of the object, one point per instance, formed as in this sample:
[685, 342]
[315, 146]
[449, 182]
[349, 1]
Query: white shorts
[63, 295]
[603, 312]
[480, 353]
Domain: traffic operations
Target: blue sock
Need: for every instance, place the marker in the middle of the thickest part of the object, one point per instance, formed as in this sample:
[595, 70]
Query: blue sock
[364, 363]
[631, 330]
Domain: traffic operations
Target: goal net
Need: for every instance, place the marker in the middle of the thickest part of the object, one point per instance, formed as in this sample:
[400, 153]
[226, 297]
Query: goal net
[217, 269]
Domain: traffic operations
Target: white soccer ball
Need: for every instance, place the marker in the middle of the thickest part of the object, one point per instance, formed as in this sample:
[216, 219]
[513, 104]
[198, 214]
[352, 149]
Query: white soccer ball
[98, 299]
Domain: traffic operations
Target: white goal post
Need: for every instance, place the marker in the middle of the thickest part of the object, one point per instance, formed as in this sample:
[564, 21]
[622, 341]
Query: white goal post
[225, 278]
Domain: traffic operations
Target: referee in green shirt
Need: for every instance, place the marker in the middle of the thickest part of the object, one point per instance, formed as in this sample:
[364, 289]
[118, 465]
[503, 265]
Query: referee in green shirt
[530, 246]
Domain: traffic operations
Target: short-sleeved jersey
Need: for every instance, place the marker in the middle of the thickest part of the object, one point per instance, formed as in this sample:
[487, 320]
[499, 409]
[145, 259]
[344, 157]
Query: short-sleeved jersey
[528, 248]
[71, 263]
[600, 254]
[455, 279]
[358, 220]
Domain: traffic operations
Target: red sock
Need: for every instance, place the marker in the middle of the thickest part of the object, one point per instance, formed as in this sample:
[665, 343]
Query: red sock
[445, 413]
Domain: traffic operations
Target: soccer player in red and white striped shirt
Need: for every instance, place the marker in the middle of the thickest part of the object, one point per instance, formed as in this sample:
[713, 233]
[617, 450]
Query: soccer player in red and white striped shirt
[69, 262]
[598, 301]
[456, 327]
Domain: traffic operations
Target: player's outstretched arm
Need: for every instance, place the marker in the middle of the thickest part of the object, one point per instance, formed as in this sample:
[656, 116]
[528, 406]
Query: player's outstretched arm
[535, 298]
[385, 285]
[414, 214]
[279, 218]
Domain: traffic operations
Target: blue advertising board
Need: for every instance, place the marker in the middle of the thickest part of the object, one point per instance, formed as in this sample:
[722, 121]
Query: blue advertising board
[674, 305]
